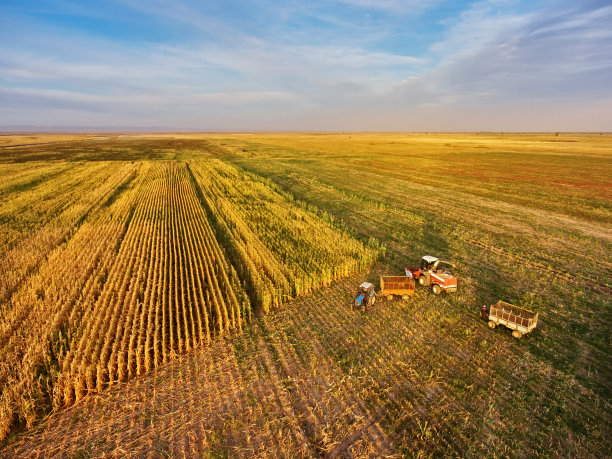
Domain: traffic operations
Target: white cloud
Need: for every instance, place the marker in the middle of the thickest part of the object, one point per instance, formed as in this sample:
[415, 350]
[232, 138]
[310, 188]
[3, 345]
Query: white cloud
[540, 68]
[78, 100]
[491, 58]
[402, 6]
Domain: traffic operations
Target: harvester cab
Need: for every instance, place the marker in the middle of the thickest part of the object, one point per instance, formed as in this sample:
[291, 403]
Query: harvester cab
[365, 296]
[428, 262]
[435, 273]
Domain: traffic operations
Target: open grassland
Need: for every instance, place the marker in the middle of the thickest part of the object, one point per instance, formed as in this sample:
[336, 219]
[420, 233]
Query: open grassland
[525, 218]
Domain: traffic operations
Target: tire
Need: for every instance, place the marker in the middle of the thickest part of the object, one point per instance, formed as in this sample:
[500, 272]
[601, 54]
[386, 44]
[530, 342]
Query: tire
[389, 297]
[436, 289]
[423, 281]
[373, 300]
[491, 324]
[405, 297]
[517, 334]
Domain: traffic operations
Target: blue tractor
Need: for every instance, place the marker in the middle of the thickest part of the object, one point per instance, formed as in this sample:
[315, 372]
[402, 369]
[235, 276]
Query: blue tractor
[365, 296]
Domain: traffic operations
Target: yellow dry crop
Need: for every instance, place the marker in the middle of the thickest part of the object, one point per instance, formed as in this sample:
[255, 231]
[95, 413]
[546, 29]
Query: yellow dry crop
[159, 258]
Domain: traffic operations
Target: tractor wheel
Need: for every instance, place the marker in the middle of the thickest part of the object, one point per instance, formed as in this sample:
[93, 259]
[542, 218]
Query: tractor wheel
[436, 289]
[373, 300]
[389, 297]
[405, 297]
[492, 324]
[517, 334]
[423, 281]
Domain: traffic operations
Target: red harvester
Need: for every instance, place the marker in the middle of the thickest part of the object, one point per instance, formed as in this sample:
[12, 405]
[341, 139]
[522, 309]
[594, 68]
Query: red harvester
[435, 272]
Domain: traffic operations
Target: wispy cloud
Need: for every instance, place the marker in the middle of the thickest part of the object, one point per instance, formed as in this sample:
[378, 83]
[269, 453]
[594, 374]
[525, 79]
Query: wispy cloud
[411, 6]
[328, 66]
[503, 59]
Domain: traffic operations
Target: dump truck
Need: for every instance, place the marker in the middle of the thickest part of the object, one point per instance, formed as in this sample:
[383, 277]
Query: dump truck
[391, 286]
[366, 296]
[435, 273]
[518, 319]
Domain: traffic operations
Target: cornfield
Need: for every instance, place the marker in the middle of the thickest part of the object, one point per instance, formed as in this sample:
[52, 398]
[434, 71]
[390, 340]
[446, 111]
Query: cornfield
[282, 250]
[139, 263]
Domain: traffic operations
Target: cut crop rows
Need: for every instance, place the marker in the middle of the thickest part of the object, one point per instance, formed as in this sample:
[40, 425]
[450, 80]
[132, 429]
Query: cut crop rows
[281, 248]
[171, 256]
[169, 290]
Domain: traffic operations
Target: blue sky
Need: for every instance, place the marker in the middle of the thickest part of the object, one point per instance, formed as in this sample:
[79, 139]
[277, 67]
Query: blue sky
[382, 65]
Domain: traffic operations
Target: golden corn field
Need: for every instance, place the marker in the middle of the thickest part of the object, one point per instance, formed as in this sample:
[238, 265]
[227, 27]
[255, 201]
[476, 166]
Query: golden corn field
[188, 295]
[110, 270]
[281, 250]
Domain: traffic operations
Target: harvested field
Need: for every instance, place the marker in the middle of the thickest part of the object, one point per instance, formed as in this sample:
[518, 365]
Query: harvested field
[143, 299]
[317, 379]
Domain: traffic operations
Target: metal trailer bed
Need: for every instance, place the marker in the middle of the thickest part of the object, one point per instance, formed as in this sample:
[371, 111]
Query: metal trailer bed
[518, 319]
[396, 285]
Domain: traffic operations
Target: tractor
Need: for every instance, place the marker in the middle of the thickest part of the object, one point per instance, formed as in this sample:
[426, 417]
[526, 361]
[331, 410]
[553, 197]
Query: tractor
[365, 296]
[435, 273]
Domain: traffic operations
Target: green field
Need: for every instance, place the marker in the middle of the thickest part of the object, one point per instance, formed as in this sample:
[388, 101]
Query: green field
[295, 222]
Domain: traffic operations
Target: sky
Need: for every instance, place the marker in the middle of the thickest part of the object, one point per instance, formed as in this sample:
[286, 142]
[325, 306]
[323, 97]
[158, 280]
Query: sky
[317, 65]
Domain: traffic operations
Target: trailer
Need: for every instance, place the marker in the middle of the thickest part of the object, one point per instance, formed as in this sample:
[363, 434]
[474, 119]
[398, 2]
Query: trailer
[396, 285]
[518, 319]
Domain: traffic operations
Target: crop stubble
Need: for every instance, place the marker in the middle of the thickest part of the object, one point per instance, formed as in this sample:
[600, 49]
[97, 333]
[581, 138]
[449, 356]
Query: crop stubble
[317, 379]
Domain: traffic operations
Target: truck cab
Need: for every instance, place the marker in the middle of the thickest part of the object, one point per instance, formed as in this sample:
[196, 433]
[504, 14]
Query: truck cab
[365, 296]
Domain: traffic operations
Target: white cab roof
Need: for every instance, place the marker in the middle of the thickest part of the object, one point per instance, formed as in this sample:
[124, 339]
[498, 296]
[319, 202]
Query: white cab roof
[430, 259]
[366, 285]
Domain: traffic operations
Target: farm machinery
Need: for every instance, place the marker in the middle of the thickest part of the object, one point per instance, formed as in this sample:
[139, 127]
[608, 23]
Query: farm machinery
[390, 286]
[431, 271]
[366, 296]
[517, 319]
[435, 273]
